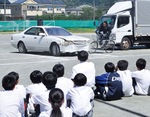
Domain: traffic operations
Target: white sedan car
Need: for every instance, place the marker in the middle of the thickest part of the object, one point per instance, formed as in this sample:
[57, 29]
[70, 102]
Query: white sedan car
[53, 39]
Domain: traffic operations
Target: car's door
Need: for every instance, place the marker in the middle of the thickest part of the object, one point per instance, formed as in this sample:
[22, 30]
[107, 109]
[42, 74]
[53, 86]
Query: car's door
[41, 43]
[33, 40]
[30, 38]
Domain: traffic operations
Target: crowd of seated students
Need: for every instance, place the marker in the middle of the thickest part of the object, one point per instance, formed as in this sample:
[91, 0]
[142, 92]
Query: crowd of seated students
[53, 95]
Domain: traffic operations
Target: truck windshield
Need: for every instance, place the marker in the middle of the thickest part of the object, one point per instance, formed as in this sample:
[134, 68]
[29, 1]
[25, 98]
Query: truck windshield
[110, 19]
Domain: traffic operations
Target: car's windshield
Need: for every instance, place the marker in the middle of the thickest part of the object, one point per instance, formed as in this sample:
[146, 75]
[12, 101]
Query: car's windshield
[57, 31]
[110, 20]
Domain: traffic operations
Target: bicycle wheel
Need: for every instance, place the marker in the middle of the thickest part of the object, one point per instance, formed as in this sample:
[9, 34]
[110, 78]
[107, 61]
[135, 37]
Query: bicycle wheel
[93, 46]
[109, 47]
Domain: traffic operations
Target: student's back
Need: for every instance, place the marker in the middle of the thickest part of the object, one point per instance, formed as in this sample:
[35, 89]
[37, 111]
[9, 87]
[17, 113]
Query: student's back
[85, 67]
[141, 77]
[56, 99]
[125, 76]
[126, 82]
[109, 84]
[81, 97]
[11, 105]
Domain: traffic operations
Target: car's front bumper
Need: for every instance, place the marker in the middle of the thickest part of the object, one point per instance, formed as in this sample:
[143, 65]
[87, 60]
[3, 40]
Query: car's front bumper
[74, 48]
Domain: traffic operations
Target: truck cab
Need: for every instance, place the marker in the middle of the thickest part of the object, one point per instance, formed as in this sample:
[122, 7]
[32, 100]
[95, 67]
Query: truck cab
[120, 21]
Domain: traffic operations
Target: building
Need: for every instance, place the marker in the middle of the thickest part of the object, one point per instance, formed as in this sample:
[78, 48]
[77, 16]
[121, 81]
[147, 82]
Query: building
[5, 8]
[27, 9]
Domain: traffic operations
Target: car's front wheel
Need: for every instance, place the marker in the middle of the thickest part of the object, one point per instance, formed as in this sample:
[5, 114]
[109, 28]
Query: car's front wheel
[55, 50]
[22, 48]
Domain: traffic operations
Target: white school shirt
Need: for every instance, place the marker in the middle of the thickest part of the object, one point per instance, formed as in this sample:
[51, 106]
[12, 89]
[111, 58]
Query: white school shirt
[66, 112]
[20, 90]
[65, 84]
[142, 78]
[42, 100]
[126, 78]
[80, 99]
[88, 69]
[10, 104]
[32, 89]
[35, 88]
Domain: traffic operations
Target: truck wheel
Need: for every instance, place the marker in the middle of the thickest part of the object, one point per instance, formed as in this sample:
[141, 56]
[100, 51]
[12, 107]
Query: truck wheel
[125, 43]
[55, 50]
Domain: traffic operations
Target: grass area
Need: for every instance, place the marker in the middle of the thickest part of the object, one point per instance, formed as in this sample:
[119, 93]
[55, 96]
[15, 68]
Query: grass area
[81, 30]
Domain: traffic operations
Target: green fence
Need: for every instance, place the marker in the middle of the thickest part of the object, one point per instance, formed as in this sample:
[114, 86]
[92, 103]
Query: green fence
[23, 24]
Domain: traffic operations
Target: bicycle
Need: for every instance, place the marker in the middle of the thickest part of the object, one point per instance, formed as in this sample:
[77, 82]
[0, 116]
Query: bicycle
[102, 44]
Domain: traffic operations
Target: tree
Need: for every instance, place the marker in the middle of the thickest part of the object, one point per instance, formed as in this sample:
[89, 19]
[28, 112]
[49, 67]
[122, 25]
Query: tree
[87, 13]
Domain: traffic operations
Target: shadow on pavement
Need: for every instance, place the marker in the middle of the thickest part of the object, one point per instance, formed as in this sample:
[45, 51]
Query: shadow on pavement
[123, 109]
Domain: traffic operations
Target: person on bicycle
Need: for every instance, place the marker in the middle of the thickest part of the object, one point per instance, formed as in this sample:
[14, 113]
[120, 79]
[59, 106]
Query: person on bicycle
[103, 31]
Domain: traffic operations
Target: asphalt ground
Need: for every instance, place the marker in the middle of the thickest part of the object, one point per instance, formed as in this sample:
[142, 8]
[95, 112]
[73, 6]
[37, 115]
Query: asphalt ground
[24, 64]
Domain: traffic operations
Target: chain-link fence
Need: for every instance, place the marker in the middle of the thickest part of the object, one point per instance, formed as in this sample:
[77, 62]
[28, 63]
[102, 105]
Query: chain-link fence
[23, 24]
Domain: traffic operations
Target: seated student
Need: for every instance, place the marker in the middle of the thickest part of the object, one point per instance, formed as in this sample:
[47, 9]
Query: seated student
[81, 97]
[125, 76]
[20, 89]
[85, 67]
[141, 78]
[10, 103]
[65, 84]
[35, 88]
[56, 99]
[108, 84]
[49, 80]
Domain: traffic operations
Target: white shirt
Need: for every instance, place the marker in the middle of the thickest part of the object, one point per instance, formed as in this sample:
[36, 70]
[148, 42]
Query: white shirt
[42, 100]
[125, 77]
[32, 89]
[20, 90]
[65, 84]
[66, 112]
[10, 104]
[88, 69]
[35, 88]
[142, 78]
[80, 99]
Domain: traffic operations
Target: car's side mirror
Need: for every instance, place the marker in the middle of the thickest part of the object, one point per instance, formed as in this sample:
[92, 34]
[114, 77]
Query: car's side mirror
[42, 34]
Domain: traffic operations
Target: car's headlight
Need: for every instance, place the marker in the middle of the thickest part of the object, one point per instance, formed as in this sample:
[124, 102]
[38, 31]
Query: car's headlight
[66, 43]
[112, 36]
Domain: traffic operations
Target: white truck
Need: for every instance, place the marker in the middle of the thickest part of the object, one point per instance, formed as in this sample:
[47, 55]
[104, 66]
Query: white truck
[130, 23]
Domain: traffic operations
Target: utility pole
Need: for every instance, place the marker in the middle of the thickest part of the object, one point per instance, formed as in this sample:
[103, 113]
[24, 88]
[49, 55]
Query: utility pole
[93, 9]
[53, 8]
[4, 10]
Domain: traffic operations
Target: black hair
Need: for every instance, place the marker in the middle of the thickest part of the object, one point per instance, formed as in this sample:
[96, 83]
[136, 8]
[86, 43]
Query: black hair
[56, 98]
[9, 82]
[80, 79]
[49, 79]
[122, 65]
[59, 70]
[105, 22]
[83, 55]
[141, 63]
[109, 67]
[15, 74]
[36, 76]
